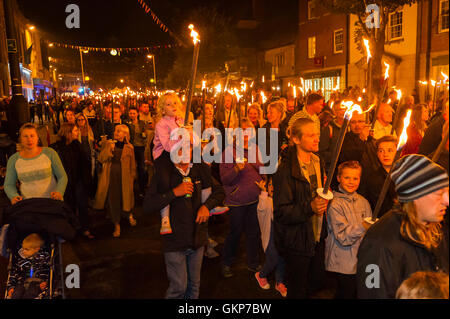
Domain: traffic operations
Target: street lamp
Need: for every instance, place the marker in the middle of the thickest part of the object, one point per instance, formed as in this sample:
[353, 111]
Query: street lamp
[151, 56]
[121, 80]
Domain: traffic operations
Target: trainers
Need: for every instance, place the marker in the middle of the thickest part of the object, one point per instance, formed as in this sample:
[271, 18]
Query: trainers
[165, 226]
[211, 253]
[281, 288]
[218, 210]
[254, 269]
[227, 272]
[212, 243]
[263, 283]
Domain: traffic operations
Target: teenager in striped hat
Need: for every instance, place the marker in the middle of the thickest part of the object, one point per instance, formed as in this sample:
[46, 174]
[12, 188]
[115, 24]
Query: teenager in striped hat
[409, 238]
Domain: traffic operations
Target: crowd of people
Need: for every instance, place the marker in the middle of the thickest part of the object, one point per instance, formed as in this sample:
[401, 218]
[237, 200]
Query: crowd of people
[104, 149]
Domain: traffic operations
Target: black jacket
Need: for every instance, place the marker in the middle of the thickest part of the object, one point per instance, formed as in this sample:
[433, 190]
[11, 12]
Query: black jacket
[396, 257]
[76, 166]
[372, 180]
[352, 148]
[186, 233]
[292, 212]
[432, 136]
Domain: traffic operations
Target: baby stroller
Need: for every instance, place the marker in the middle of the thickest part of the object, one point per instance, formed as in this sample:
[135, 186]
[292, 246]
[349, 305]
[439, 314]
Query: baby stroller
[54, 221]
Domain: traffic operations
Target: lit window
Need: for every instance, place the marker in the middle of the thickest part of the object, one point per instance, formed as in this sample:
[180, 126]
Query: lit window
[443, 16]
[338, 41]
[395, 25]
[311, 47]
[279, 60]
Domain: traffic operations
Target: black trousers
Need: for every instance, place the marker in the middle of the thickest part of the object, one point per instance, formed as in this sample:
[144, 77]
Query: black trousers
[346, 286]
[305, 275]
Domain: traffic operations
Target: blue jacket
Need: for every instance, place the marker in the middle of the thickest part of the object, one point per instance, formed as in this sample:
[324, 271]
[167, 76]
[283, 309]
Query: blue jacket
[346, 213]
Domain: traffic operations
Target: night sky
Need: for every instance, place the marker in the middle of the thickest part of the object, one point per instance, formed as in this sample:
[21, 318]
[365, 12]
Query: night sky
[124, 23]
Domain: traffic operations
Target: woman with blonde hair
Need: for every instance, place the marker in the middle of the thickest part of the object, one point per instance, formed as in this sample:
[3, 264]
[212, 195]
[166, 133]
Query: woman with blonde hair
[77, 168]
[87, 139]
[116, 180]
[255, 114]
[408, 238]
[38, 169]
[275, 116]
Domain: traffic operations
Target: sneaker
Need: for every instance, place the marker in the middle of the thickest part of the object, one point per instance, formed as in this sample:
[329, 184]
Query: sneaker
[218, 210]
[263, 283]
[281, 288]
[212, 243]
[227, 272]
[254, 269]
[165, 226]
[211, 253]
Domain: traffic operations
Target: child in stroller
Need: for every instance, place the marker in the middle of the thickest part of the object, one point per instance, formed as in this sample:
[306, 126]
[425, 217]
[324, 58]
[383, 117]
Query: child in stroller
[30, 270]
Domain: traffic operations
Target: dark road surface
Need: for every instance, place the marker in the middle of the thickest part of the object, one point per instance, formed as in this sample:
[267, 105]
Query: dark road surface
[132, 266]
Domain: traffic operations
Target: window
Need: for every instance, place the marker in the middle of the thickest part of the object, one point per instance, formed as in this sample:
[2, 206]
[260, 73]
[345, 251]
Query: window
[311, 47]
[443, 16]
[339, 41]
[312, 11]
[395, 25]
[279, 60]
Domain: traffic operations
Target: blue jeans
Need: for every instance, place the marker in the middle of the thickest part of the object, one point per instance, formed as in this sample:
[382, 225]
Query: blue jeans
[183, 271]
[243, 219]
[273, 261]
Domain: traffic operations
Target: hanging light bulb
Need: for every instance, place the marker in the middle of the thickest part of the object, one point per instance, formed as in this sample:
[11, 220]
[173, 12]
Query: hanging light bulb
[113, 52]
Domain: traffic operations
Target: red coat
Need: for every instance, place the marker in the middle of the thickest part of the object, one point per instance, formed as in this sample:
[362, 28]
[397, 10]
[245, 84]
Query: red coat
[414, 140]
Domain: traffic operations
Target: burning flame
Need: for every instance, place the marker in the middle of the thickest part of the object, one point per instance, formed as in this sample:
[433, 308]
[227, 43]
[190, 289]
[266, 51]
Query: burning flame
[366, 44]
[352, 107]
[386, 73]
[218, 88]
[399, 94]
[359, 99]
[389, 101]
[364, 90]
[263, 97]
[404, 136]
[251, 85]
[203, 85]
[263, 79]
[194, 34]
[295, 91]
[237, 94]
[433, 83]
[289, 84]
[445, 76]
[423, 82]
[243, 86]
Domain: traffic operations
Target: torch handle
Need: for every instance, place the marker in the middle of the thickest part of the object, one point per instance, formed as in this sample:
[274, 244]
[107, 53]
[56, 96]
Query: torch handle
[192, 83]
[335, 157]
[385, 187]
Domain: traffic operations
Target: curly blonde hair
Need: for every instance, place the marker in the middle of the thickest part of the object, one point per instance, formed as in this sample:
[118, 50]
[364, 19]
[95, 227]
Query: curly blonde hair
[162, 103]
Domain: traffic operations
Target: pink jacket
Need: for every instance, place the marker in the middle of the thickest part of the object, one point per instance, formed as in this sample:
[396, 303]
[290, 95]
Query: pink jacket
[162, 140]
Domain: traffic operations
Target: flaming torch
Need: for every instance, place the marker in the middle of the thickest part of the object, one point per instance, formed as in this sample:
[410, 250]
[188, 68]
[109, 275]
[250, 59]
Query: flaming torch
[397, 112]
[351, 107]
[196, 41]
[238, 105]
[369, 68]
[386, 76]
[401, 143]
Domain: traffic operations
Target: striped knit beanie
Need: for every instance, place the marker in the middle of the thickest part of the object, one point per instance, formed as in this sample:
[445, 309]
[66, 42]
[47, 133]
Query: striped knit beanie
[415, 176]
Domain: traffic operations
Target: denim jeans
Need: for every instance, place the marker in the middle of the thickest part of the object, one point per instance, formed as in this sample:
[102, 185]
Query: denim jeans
[183, 271]
[273, 261]
[243, 219]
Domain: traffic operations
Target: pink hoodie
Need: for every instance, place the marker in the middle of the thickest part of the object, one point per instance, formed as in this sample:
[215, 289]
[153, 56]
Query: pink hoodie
[162, 140]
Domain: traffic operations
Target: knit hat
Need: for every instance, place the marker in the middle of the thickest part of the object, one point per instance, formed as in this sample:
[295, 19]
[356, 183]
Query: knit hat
[415, 176]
